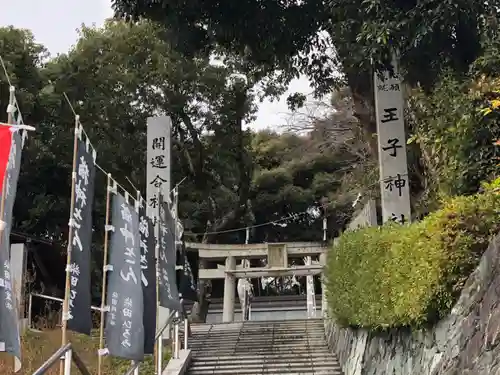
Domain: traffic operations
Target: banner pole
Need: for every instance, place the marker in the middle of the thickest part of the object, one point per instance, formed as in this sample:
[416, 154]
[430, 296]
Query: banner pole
[70, 244]
[159, 342]
[176, 239]
[104, 277]
[11, 107]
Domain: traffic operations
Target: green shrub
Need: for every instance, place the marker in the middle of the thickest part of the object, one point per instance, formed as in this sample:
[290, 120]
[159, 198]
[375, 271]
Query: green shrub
[394, 276]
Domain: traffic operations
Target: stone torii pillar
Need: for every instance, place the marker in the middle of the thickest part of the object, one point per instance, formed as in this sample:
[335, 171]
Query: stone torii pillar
[229, 291]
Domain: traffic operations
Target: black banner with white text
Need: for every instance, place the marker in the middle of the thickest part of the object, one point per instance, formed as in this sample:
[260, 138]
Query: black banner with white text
[148, 277]
[124, 321]
[188, 285]
[169, 294]
[79, 309]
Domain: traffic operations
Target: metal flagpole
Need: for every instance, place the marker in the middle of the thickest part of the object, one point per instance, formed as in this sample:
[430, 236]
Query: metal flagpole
[159, 342]
[69, 249]
[104, 275]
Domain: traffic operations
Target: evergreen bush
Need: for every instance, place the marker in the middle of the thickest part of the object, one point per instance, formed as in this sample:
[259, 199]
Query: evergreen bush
[394, 276]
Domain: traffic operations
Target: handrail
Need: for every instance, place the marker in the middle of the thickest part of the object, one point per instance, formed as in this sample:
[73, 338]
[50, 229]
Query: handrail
[57, 299]
[52, 359]
[79, 364]
[50, 298]
[77, 360]
[57, 356]
[159, 341]
[167, 322]
[132, 368]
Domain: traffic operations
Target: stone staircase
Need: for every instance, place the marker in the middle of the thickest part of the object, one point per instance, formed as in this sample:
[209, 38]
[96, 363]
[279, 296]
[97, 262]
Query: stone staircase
[256, 347]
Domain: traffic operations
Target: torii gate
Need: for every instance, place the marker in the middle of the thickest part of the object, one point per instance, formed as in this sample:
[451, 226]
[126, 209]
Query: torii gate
[277, 255]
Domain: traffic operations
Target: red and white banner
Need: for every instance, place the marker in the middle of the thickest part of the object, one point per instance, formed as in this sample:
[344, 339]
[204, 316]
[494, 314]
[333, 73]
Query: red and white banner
[5, 146]
[11, 141]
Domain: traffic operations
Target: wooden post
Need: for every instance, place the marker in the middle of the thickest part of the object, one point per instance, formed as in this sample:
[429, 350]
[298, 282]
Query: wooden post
[70, 243]
[104, 276]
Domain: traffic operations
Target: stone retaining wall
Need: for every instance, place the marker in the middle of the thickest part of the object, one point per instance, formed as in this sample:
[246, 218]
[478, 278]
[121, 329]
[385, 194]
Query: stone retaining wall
[464, 343]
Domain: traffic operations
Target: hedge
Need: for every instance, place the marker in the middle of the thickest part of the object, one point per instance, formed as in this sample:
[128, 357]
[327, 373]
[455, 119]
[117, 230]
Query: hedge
[396, 276]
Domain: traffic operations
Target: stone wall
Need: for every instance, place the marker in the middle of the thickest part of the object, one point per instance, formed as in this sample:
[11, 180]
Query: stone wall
[464, 343]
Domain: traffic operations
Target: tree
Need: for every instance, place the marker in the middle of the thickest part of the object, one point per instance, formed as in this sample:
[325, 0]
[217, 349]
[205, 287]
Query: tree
[105, 79]
[317, 159]
[284, 35]
[263, 31]
[293, 174]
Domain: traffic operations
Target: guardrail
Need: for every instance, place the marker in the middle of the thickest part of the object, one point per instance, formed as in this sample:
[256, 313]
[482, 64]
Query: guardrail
[159, 342]
[69, 356]
[50, 298]
[66, 351]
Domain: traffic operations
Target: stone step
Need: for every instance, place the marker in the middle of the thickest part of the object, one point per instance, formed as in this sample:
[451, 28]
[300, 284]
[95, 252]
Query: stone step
[284, 335]
[259, 363]
[249, 340]
[257, 330]
[264, 346]
[258, 343]
[262, 354]
[311, 321]
[233, 328]
[230, 326]
[256, 351]
[314, 357]
[257, 348]
[275, 362]
[242, 335]
[264, 370]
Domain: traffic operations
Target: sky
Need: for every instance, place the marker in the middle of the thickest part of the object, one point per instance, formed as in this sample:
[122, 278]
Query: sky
[55, 22]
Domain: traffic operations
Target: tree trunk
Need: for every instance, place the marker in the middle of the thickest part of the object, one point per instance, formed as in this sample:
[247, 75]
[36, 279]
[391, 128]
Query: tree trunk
[199, 311]
[361, 85]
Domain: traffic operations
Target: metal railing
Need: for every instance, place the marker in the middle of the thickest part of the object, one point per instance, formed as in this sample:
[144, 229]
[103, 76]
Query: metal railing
[50, 298]
[134, 368]
[180, 316]
[159, 341]
[69, 356]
